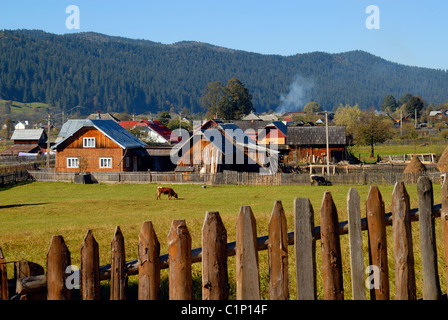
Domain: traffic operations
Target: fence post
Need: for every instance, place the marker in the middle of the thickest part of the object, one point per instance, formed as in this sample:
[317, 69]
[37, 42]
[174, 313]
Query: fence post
[305, 249]
[331, 250]
[215, 284]
[355, 243]
[247, 276]
[90, 268]
[24, 269]
[4, 293]
[118, 276]
[58, 259]
[431, 285]
[403, 248]
[179, 252]
[278, 254]
[377, 243]
[444, 221]
[148, 263]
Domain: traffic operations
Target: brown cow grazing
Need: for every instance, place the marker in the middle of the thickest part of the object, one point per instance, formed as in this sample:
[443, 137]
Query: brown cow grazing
[170, 192]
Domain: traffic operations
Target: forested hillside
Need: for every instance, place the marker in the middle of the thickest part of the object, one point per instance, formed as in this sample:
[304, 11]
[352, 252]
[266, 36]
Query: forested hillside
[117, 74]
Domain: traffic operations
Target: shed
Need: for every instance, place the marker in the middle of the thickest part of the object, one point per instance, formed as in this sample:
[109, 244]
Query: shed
[308, 144]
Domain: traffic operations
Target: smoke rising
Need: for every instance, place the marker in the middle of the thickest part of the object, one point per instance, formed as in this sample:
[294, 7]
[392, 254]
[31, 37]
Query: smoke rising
[298, 95]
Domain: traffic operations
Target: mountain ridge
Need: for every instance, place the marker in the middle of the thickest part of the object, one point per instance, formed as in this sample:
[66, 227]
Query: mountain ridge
[138, 76]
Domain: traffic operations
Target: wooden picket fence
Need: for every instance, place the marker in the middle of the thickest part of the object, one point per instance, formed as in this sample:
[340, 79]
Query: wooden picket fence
[34, 284]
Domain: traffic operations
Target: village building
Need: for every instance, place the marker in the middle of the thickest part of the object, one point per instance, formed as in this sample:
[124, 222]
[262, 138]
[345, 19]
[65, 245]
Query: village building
[221, 146]
[21, 125]
[103, 116]
[100, 146]
[308, 144]
[27, 142]
[155, 131]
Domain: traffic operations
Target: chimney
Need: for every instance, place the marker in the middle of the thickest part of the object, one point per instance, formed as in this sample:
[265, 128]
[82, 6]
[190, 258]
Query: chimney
[98, 116]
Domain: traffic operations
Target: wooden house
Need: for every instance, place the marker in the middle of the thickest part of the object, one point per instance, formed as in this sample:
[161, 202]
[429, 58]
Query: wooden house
[308, 144]
[100, 146]
[26, 142]
[221, 147]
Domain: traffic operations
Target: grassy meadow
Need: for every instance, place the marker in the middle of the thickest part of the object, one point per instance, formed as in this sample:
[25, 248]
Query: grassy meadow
[31, 213]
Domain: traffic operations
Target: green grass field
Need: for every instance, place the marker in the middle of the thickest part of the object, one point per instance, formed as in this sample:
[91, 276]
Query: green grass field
[31, 213]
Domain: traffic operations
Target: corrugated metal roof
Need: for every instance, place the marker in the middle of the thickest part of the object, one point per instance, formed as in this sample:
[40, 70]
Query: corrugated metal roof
[72, 125]
[113, 131]
[117, 133]
[27, 134]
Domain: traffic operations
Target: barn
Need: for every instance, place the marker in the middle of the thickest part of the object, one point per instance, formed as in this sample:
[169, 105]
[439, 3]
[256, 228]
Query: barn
[27, 141]
[100, 146]
[308, 144]
[221, 147]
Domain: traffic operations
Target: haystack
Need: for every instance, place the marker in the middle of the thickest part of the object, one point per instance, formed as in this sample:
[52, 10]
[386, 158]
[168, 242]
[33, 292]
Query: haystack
[442, 164]
[415, 166]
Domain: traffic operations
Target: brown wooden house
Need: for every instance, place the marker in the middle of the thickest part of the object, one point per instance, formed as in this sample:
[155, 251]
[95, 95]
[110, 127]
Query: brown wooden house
[308, 144]
[100, 146]
[220, 147]
[27, 141]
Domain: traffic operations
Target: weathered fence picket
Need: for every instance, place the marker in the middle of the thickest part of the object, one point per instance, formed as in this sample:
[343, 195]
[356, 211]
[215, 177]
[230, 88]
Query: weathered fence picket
[30, 282]
[355, 242]
[305, 249]
[247, 275]
[377, 243]
[179, 251]
[403, 249]
[148, 263]
[444, 222]
[431, 285]
[4, 292]
[215, 284]
[278, 254]
[331, 250]
[58, 259]
[118, 276]
[90, 268]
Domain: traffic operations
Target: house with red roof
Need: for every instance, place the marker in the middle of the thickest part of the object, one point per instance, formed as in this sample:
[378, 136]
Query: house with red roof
[157, 132]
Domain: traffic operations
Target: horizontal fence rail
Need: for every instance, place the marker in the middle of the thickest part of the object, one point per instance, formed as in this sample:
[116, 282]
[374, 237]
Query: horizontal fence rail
[33, 283]
[241, 178]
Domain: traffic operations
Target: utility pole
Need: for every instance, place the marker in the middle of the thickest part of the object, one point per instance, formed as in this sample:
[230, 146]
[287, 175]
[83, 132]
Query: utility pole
[401, 123]
[415, 118]
[48, 140]
[328, 149]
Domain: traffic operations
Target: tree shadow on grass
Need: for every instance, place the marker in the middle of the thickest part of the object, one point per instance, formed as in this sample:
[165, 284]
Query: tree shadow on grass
[22, 205]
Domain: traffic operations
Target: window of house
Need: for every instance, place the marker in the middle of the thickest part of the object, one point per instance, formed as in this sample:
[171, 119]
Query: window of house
[88, 142]
[128, 162]
[72, 163]
[105, 162]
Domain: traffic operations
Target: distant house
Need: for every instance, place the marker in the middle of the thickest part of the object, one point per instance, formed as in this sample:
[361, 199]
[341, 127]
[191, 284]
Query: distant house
[100, 146]
[274, 133]
[156, 131]
[438, 116]
[21, 125]
[27, 141]
[218, 147]
[102, 116]
[251, 117]
[308, 144]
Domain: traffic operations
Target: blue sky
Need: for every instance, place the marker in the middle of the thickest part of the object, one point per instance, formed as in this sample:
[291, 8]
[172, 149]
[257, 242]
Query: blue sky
[411, 32]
